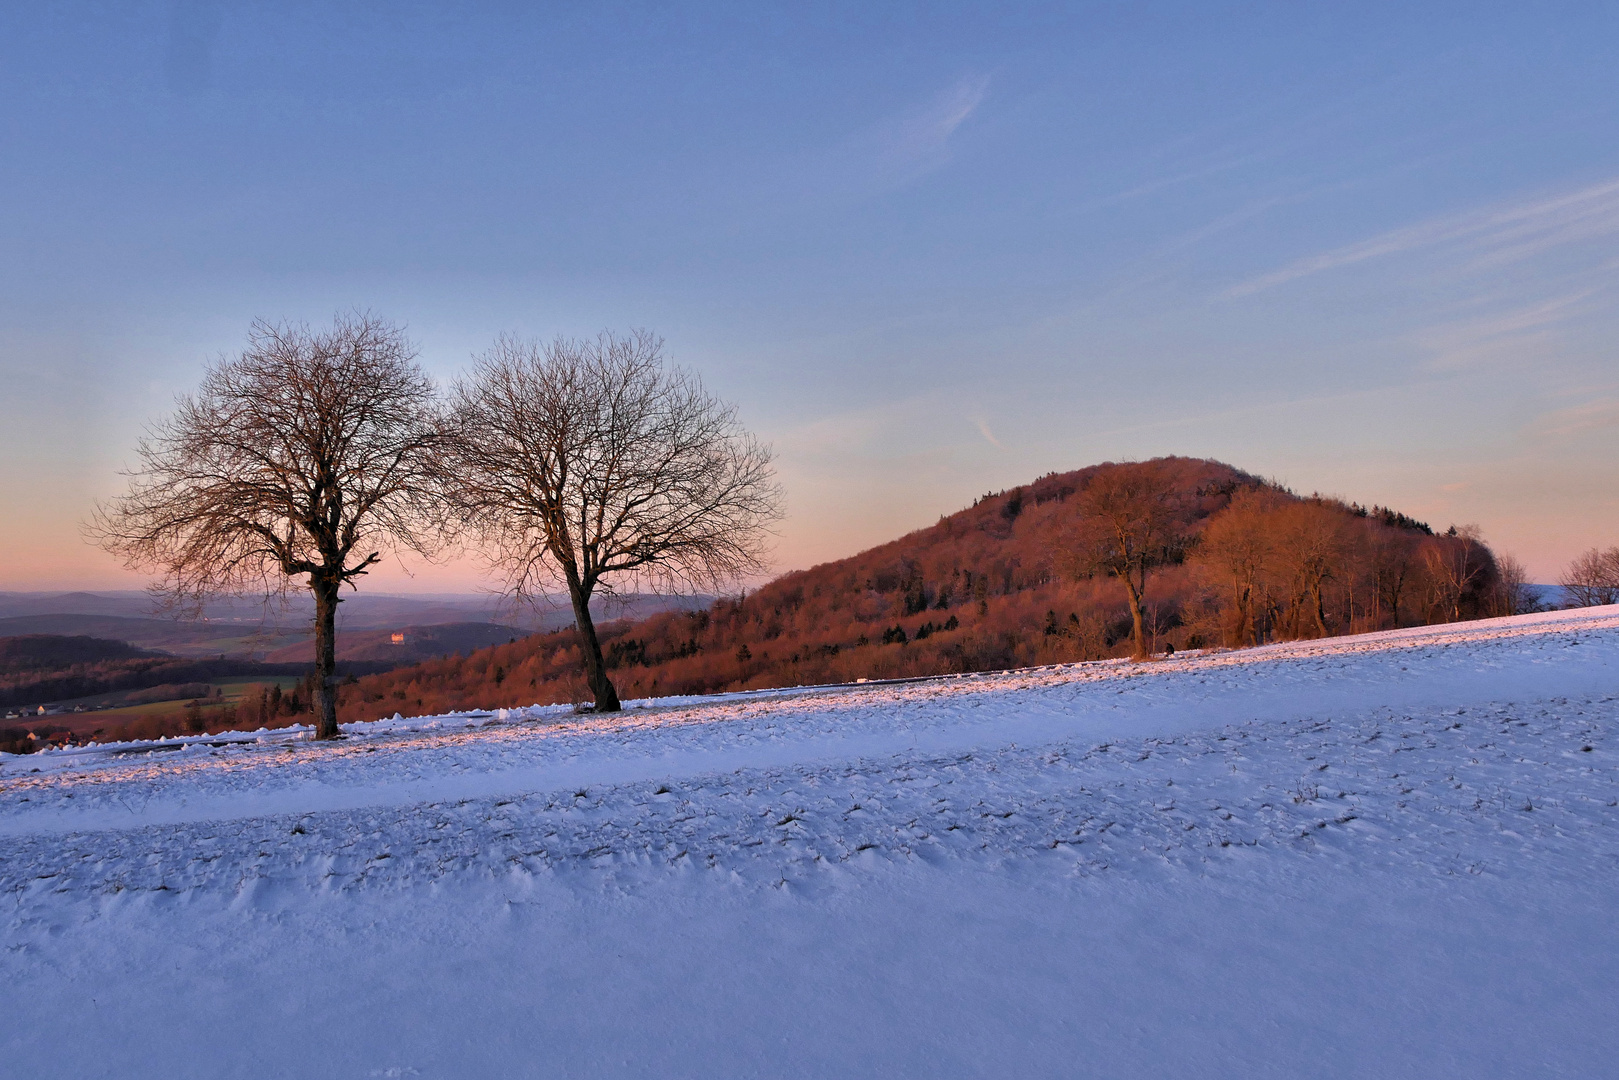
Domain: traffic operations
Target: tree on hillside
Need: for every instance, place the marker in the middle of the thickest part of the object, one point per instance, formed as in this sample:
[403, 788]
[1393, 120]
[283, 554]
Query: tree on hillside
[1456, 565]
[1237, 550]
[308, 455]
[1513, 595]
[1130, 521]
[590, 460]
[1312, 541]
[1390, 554]
[1592, 579]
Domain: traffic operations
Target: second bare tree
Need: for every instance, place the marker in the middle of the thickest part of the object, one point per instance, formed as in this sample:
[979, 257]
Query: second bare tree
[594, 462]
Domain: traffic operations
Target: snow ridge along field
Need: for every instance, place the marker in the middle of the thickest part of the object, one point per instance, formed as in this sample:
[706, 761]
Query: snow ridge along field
[1386, 855]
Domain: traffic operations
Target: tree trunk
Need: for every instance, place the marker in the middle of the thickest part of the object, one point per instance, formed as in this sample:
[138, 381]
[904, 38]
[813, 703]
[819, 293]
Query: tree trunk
[1396, 586]
[595, 668]
[1138, 632]
[326, 601]
[1241, 633]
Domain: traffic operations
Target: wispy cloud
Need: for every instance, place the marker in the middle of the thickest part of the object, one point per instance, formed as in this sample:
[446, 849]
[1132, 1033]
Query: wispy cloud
[1176, 179]
[983, 429]
[1590, 416]
[1462, 341]
[1493, 236]
[918, 140]
[888, 151]
[850, 432]
[929, 129]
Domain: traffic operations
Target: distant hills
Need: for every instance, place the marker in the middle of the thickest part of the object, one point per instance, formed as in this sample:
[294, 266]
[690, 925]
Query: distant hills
[123, 604]
[197, 639]
[247, 629]
[407, 645]
[43, 652]
[43, 669]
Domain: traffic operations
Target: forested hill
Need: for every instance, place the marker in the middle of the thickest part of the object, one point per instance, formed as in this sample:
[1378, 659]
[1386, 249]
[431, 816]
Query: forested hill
[49, 652]
[988, 588]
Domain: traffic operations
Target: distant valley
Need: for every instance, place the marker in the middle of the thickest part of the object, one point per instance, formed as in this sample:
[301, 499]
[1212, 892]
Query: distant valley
[249, 629]
[104, 664]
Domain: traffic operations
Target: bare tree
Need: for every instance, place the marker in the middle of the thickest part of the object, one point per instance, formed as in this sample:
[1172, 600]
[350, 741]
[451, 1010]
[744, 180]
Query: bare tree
[594, 460]
[308, 455]
[1236, 550]
[1513, 593]
[1130, 522]
[1456, 564]
[1390, 557]
[1312, 541]
[1592, 579]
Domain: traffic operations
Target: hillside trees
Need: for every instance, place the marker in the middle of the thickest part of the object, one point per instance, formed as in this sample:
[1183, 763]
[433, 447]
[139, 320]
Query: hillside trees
[1311, 544]
[1390, 559]
[1131, 521]
[309, 455]
[993, 602]
[1293, 568]
[1237, 549]
[595, 460]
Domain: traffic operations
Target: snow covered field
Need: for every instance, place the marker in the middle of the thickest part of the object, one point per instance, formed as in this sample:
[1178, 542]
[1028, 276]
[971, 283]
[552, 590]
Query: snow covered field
[1386, 856]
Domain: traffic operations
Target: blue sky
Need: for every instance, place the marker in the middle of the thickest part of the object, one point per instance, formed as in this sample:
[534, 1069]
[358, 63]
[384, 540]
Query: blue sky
[1367, 250]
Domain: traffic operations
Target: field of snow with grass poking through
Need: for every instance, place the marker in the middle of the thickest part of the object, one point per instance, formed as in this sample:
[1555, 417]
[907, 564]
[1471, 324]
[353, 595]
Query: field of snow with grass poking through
[1383, 856]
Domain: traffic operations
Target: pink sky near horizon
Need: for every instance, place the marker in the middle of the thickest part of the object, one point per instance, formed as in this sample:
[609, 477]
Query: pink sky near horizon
[1523, 515]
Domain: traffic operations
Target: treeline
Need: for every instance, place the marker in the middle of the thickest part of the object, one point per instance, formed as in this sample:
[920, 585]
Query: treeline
[1242, 562]
[1272, 566]
[261, 705]
[1592, 579]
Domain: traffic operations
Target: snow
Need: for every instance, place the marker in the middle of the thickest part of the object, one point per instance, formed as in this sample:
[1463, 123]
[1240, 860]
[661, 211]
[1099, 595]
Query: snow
[1389, 855]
